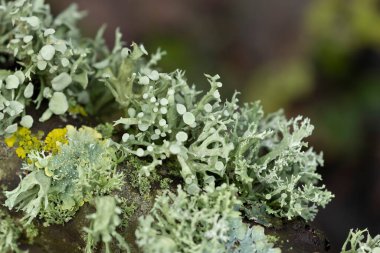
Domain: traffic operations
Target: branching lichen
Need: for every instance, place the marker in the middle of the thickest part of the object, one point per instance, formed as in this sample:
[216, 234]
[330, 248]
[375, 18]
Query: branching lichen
[10, 233]
[103, 225]
[214, 141]
[231, 161]
[209, 222]
[360, 241]
[183, 223]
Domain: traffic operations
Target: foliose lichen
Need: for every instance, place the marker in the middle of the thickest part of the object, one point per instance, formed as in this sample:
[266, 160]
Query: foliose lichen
[51, 62]
[59, 182]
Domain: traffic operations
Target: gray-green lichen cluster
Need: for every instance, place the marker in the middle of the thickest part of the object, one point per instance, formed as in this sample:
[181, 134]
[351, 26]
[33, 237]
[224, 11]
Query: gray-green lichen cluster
[218, 162]
[360, 241]
[103, 225]
[11, 231]
[58, 185]
[49, 62]
[212, 215]
[215, 141]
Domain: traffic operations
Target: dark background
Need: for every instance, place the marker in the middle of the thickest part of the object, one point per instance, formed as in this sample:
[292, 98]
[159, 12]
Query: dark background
[317, 58]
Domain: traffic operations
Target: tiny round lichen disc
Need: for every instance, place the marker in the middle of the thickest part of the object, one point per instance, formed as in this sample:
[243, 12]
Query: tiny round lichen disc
[47, 52]
[188, 118]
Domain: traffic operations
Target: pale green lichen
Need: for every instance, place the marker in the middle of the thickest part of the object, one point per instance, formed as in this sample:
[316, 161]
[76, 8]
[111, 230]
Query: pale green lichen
[57, 65]
[232, 161]
[183, 223]
[104, 223]
[209, 222]
[273, 165]
[165, 118]
[244, 239]
[30, 195]
[360, 241]
[59, 184]
[11, 232]
[214, 141]
[9, 235]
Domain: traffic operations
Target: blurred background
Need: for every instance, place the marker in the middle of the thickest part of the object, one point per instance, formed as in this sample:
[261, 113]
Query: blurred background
[318, 58]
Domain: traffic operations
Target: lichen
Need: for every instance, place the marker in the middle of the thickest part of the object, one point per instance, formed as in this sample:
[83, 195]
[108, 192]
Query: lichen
[230, 160]
[11, 232]
[360, 241]
[103, 225]
[25, 141]
[54, 68]
[60, 183]
[214, 141]
[244, 239]
[183, 223]
[54, 139]
[209, 222]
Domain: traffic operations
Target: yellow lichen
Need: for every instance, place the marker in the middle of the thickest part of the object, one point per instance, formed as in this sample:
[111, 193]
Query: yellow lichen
[10, 141]
[21, 152]
[54, 139]
[25, 142]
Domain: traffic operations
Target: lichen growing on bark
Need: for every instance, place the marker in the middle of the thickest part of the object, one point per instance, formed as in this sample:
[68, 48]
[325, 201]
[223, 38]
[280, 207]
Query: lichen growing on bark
[177, 171]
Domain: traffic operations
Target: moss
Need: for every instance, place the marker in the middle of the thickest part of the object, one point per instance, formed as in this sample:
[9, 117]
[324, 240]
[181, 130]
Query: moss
[128, 210]
[106, 130]
[145, 184]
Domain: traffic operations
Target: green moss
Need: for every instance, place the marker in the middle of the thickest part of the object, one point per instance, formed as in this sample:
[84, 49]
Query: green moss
[128, 210]
[106, 130]
[144, 184]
